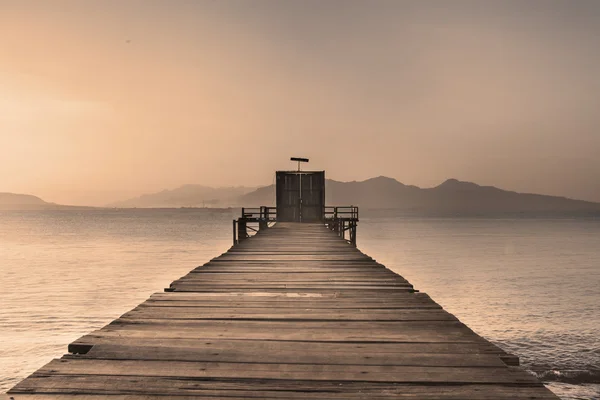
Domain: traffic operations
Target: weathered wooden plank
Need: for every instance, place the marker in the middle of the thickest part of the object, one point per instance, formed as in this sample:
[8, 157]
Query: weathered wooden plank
[298, 284]
[442, 327]
[292, 257]
[427, 335]
[279, 348]
[353, 297]
[107, 385]
[287, 305]
[313, 372]
[190, 313]
[279, 279]
[191, 288]
[295, 354]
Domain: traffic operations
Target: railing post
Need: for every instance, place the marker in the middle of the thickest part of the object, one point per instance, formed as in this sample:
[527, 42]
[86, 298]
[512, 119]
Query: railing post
[242, 230]
[234, 233]
[262, 221]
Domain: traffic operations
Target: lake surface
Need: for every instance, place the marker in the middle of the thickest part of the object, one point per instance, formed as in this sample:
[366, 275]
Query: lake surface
[530, 285]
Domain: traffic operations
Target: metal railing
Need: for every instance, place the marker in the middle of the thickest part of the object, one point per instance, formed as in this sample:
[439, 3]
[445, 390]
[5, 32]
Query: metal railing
[253, 219]
[262, 213]
[341, 212]
[340, 219]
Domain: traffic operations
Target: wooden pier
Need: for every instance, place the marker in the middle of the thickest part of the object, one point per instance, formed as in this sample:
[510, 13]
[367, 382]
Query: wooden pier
[294, 312]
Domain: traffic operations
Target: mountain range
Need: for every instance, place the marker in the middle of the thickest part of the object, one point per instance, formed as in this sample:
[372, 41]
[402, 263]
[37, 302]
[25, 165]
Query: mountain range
[452, 196]
[383, 193]
[187, 196]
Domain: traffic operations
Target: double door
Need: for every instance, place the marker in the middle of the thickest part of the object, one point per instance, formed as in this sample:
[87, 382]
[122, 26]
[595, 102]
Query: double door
[300, 196]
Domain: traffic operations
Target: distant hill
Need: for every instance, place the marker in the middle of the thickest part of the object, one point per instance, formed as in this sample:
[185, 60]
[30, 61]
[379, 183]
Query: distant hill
[452, 196]
[187, 196]
[14, 201]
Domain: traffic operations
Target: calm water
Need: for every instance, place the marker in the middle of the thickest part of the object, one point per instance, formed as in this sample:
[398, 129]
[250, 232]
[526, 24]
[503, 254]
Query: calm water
[530, 285]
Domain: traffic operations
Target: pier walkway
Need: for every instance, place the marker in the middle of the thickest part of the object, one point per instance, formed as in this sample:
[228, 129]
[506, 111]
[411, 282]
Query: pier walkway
[292, 313]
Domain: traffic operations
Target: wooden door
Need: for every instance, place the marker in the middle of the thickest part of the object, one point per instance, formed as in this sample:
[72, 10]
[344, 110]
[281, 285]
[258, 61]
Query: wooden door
[300, 196]
[312, 199]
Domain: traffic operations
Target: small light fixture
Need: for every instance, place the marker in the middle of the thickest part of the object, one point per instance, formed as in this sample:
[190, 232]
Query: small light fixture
[299, 159]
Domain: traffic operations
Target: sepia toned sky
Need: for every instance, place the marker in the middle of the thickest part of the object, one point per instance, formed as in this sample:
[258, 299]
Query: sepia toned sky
[104, 100]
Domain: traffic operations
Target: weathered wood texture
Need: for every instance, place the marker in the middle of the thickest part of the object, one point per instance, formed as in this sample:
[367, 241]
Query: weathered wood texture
[293, 313]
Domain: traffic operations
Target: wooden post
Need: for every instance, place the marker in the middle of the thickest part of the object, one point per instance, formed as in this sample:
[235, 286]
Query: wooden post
[234, 234]
[262, 220]
[242, 230]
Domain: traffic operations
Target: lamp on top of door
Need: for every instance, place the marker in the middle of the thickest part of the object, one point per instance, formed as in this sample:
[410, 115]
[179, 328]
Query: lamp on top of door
[299, 159]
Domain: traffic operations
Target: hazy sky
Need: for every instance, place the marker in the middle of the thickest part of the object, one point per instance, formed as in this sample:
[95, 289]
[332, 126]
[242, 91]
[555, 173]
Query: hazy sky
[101, 100]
